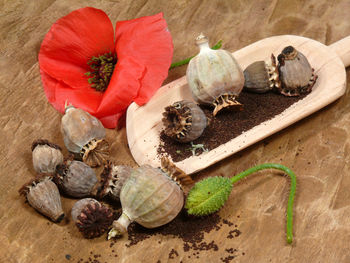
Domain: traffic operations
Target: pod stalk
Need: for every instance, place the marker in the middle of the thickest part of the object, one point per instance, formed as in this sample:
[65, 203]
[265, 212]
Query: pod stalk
[290, 173]
[187, 60]
[120, 226]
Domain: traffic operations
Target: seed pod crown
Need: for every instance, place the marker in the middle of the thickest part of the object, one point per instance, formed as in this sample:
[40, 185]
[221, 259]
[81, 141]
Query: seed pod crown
[184, 121]
[113, 178]
[91, 217]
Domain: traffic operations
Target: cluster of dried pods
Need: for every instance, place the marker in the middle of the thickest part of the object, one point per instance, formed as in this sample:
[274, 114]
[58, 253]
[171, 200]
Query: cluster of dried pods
[292, 76]
[84, 137]
[149, 196]
[216, 79]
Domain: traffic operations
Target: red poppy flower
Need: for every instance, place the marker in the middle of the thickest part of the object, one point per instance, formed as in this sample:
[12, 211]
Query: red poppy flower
[143, 48]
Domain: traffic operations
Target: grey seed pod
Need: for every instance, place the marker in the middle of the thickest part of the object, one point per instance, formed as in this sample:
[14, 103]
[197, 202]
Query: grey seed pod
[76, 179]
[295, 72]
[184, 121]
[214, 77]
[91, 217]
[262, 76]
[150, 197]
[46, 156]
[112, 180]
[43, 195]
[84, 134]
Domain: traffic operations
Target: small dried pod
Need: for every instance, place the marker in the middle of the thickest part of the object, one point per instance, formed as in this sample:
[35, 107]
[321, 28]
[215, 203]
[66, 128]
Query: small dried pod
[184, 121]
[91, 217]
[262, 76]
[46, 156]
[84, 134]
[150, 197]
[295, 72]
[214, 77]
[113, 178]
[76, 179]
[43, 195]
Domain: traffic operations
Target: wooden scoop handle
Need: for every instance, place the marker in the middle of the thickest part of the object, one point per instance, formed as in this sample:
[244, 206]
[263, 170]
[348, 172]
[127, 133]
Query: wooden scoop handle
[342, 48]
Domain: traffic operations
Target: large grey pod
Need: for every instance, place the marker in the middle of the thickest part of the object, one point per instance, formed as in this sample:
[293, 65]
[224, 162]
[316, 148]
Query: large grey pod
[46, 156]
[295, 72]
[150, 197]
[84, 134]
[184, 121]
[76, 179]
[43, 195]
[214, 77]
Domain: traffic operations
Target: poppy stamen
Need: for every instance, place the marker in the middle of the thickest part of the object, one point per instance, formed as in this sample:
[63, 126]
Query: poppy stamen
[102, 69]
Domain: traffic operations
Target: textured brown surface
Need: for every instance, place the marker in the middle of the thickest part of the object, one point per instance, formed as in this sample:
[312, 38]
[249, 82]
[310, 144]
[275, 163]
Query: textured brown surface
[316, 148]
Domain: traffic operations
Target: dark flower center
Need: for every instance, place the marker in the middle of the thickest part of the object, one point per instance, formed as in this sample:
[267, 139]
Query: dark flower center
[101, 70]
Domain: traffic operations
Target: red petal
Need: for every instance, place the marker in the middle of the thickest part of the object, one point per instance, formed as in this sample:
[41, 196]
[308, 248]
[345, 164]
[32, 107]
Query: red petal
[72, 41]
[148, 41]
[58, 93]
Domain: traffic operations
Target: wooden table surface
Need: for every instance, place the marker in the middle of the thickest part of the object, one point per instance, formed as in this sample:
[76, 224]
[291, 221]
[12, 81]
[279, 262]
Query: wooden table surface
[317, 148]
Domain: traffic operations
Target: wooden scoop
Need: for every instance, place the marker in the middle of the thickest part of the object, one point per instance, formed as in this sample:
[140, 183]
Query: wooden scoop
[143, 124]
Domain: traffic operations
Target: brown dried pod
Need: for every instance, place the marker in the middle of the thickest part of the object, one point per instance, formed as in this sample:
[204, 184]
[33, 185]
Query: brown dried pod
[84, 134]
[112, 180]
[262, 76]
[214, 77]
[184, 121]
[46, 156]
[91, 217]
[150, 197]
[76, 179]
[295, 72]
[43, 195]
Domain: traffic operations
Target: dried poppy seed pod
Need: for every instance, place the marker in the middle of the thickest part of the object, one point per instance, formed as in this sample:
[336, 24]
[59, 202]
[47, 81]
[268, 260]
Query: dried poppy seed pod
[84, 134]
[91, 217]
[43, 195]
[113, 178]
[262, 76]
[214, 77]
[295, 72]
[46, 156]
[184, 121]
[150, 197]
[76, 179]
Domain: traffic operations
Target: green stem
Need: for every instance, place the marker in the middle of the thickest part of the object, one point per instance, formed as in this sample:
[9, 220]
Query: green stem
[285, 169]
[185, 61]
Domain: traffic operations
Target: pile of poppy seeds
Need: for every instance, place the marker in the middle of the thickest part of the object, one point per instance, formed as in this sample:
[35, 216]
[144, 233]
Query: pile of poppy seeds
[193, 240]
[227, 125]
[191, 231]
